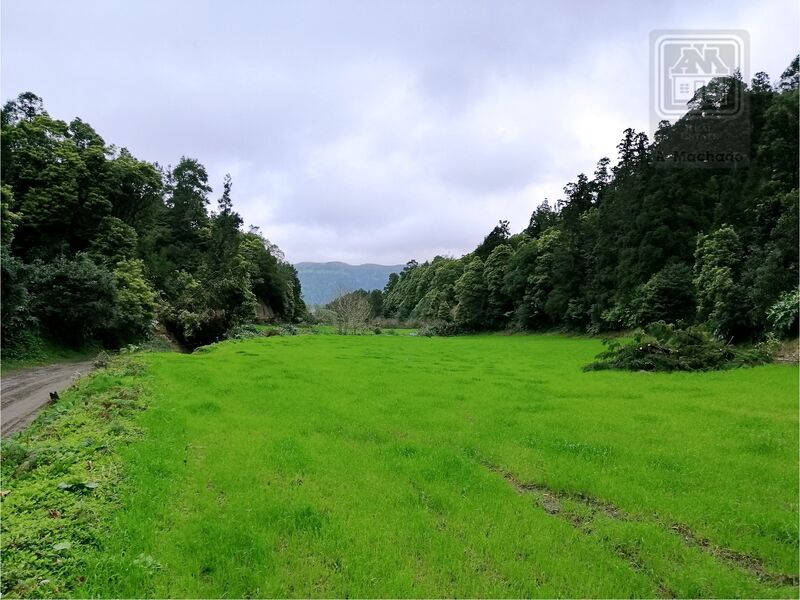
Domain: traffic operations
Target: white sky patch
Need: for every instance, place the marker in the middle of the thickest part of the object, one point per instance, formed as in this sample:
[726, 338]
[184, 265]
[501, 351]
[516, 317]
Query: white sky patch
[367, 132]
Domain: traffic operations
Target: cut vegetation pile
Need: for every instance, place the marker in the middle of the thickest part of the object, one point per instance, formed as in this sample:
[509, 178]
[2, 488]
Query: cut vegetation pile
[406, 466]
[665, 347]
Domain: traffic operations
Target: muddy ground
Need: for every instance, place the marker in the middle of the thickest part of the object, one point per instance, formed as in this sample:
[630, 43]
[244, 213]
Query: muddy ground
[23, 393]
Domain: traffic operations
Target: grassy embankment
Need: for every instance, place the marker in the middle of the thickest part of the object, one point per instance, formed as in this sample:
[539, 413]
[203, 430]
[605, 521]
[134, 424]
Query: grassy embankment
[404, 466]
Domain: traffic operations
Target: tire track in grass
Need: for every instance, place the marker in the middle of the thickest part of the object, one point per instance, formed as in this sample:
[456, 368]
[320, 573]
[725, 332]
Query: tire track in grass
[733, 557]
[551, 501]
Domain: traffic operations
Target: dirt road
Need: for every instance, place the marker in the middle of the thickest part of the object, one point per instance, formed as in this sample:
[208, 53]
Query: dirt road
[24, 392]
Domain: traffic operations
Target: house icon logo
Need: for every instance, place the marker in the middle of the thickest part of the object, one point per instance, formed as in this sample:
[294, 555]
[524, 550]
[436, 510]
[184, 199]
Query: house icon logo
[695, 67]
[683, 62]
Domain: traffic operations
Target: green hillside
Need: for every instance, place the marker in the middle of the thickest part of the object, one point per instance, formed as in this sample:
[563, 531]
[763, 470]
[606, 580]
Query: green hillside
[322, 282]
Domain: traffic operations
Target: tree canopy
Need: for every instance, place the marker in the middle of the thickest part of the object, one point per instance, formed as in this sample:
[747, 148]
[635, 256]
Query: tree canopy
[97, 244]
[647, 239]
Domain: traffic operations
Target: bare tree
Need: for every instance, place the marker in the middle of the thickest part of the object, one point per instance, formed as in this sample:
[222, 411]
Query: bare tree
[352, 311]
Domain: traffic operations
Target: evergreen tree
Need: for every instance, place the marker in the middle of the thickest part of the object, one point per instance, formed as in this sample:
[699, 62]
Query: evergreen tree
[498, 302]
[496, 236]
[721, 301]
[620, 249]
[470, 291]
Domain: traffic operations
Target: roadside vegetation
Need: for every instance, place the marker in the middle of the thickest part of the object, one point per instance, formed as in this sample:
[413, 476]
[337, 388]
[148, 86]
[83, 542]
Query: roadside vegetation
[378, 465]
[60, 479]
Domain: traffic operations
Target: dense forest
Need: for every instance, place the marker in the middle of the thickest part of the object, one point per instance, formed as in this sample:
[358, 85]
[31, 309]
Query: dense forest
[98, 245]
[651, 238]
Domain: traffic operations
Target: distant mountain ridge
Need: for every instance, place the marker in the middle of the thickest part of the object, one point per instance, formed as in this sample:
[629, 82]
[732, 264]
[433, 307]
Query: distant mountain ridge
[321, 282]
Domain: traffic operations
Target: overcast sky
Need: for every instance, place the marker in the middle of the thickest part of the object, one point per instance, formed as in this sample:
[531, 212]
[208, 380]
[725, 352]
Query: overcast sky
[367, 131]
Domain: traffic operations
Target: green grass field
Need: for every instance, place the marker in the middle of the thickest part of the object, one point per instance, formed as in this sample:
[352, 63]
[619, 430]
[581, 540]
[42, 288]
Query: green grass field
[472, 466]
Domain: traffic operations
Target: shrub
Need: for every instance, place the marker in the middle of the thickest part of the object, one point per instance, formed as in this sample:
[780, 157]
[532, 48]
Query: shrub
[102, 360]
[669, 294]
[665, 347]
[288, 330]
[244, 332]
[720, 297]
[783, 315]
[136, 302]
[439, 329]
[202, 313]
[19, 334]
[74, 299]
[324, 316]
[12, 453]
[392, 323]
[249, 331]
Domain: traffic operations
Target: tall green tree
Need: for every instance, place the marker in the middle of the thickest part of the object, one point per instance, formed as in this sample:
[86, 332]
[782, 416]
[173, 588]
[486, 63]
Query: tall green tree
[470, 290]
[498, 235]
[499, 304]
[720, 299]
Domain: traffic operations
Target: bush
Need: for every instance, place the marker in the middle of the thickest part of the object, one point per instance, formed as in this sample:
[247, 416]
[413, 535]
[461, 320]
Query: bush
[136, 301]
[249, 331]
[665, 347]
[244, 332]
[288, 330]
[19, 334]
[102, 360]
[392, 323]
[12, 453]
[669, 294]
[197, 317]
[77, 300]
[324, 316]
[439, 329]
[720, 295]
[74, 299]
[783, 315]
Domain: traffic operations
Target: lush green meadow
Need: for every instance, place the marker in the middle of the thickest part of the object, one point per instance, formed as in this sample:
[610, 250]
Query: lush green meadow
[469, 466]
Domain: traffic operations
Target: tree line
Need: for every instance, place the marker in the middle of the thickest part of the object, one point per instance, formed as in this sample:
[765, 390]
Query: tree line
[98, 245]
[648, 239]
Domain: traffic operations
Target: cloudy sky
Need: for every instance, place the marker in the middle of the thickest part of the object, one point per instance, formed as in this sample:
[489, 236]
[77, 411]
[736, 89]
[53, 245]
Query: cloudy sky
[368, 131]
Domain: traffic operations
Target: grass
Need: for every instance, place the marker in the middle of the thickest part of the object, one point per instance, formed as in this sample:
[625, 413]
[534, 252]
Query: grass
[406, 466]
[59, 481]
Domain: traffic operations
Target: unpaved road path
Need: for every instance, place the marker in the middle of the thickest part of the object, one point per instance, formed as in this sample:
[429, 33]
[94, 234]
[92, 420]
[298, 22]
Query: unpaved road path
[24, 392]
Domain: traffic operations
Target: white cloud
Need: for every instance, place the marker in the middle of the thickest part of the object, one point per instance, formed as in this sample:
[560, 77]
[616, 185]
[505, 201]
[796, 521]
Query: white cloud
[366, 132]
